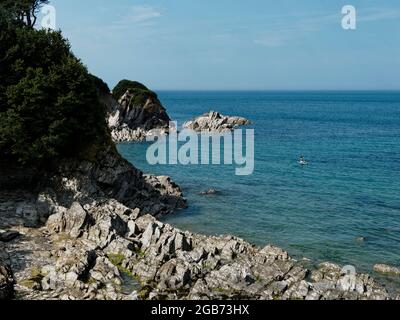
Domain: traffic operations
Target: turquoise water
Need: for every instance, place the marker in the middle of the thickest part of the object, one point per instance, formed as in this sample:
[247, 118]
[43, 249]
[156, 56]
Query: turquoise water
[350, 189]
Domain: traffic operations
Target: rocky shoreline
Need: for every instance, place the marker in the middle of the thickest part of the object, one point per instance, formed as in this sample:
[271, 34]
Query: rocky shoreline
[91, 233]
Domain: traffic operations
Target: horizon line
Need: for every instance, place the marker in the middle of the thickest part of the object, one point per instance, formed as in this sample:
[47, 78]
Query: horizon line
[282, 90]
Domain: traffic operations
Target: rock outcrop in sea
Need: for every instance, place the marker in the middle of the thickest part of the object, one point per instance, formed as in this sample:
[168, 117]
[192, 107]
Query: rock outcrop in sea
[388, 270]
[215, 122]
[134, 114]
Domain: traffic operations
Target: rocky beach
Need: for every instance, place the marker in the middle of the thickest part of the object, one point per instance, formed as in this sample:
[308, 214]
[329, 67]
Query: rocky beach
[89, 230]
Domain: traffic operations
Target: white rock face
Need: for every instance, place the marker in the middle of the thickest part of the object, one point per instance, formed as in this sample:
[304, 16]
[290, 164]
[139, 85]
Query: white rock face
[129, 122]
[124, 134]
[215, 122]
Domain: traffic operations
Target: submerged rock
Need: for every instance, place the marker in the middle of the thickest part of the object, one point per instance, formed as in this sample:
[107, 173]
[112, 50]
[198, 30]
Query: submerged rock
[210, 192]
[385, 269]
[361, 239]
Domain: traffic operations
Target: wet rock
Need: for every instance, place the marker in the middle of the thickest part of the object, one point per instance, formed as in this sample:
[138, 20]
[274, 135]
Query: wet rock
[361, 239]
[210, 192]
[385, 269]
[6, 236]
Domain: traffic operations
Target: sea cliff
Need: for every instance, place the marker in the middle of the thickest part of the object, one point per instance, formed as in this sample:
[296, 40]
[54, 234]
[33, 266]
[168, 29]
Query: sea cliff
[134, 112]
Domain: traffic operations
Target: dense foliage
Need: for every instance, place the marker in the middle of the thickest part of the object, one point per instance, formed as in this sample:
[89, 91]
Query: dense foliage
[140, 92]
[49, 106]
[23, 11]
[100, 85]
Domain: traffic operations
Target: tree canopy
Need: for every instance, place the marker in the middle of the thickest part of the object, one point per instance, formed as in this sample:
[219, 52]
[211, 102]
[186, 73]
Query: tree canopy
[24, 11]
[49, 106]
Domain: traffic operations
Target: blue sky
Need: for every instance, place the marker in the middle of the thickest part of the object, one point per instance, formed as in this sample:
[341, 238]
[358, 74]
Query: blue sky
[236, 45]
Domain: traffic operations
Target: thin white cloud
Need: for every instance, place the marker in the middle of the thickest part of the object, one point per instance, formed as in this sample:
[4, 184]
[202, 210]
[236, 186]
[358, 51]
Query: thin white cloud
[372, 15]
[140, 14]
[271, 40]
[283, 30]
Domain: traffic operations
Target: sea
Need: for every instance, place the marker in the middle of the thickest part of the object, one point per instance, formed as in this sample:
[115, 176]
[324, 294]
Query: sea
[343, 207]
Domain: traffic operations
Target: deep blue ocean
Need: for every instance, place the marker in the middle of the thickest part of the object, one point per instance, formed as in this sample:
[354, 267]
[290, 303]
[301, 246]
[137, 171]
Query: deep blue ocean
[350, 189]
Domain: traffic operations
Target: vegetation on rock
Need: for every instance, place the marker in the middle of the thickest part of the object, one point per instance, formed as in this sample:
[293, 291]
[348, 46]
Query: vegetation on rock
[139, 91]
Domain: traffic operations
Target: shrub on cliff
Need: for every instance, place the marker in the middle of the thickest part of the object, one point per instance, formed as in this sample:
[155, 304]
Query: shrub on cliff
[49, 106]
[140, 92]
[125, 85]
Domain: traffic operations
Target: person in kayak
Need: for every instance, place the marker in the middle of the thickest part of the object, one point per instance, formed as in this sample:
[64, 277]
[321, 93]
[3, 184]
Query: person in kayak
[302, 160]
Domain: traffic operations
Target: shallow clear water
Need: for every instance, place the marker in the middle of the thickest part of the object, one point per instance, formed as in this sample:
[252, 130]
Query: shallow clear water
[350, 189]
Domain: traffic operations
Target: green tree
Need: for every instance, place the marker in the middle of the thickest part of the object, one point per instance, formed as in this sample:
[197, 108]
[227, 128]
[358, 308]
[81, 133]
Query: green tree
[24, 11]
[49, 107]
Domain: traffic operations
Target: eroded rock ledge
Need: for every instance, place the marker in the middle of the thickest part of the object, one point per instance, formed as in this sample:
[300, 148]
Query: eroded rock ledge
[215, 122]
[89, 251]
